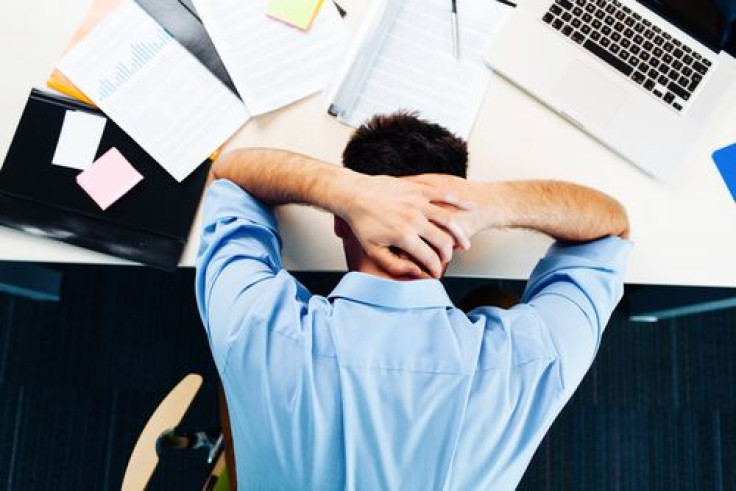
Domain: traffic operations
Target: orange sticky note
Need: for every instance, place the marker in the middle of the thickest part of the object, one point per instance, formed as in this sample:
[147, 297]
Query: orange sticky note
[109, 178]
[298, 13]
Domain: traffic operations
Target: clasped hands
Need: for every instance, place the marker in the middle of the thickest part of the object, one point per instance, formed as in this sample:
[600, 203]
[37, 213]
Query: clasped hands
[411, 226]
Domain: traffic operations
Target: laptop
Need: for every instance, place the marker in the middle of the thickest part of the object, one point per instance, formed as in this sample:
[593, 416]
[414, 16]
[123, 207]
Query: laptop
[641, 76]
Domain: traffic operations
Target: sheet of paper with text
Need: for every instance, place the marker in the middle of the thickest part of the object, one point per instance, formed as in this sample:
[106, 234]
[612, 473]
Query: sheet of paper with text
[271, 63]
[406, 61]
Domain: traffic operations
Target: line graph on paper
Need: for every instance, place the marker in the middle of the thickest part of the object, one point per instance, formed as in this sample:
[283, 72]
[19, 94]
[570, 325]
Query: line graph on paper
[140, 54]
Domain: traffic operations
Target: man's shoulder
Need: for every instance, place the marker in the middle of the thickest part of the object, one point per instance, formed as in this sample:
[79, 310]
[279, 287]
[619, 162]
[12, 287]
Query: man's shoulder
[511, 337]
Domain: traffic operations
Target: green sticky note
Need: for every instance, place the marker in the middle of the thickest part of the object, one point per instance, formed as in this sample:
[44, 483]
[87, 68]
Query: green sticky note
[298, 13]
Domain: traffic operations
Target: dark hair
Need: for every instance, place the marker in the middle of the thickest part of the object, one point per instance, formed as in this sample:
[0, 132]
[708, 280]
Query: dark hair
[401, 144]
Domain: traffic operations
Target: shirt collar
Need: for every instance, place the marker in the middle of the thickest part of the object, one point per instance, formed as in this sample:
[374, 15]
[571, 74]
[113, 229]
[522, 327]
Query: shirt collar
[365, 288]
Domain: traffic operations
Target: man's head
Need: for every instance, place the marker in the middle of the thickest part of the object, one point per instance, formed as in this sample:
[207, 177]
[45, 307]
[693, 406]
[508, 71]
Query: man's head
[398, 145]
[401, 145]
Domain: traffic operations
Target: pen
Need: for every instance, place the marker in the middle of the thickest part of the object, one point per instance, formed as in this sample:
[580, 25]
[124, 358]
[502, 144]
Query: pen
[455, 31]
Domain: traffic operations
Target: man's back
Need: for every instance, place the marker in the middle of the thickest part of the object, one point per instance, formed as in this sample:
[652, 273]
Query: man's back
[384, 384]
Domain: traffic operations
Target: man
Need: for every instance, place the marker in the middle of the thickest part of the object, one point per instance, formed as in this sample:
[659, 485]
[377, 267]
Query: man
[384, 384]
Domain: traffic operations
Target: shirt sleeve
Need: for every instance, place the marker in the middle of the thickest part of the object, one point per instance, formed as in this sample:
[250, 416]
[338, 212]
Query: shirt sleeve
[238, 260]
[572, 292]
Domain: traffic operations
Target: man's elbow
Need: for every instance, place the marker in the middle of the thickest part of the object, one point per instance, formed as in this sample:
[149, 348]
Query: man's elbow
[621, 225]
[215, 172]
[625, 226]
[224, 162]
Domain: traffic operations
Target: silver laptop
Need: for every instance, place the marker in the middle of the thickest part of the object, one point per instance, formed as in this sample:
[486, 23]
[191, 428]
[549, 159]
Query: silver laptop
[642, 76]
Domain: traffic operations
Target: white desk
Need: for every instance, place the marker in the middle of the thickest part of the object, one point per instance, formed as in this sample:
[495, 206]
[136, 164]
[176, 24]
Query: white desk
[685, 229]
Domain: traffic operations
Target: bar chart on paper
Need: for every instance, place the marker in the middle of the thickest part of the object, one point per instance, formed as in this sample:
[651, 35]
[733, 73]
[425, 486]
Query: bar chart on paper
[141, 53]
[124, 50]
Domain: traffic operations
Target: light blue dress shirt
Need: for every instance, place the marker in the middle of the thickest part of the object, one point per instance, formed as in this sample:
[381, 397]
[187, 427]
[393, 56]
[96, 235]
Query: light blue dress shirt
[384, 384]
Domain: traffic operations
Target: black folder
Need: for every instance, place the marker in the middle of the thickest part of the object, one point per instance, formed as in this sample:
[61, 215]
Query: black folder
[181, 20]
[150, 224]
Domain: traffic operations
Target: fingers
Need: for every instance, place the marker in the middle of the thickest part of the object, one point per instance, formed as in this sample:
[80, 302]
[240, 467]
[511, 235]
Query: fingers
[394, 265]
[447, 221]
[441, 241]
[437, 195]
[443, 189]
[423, 254]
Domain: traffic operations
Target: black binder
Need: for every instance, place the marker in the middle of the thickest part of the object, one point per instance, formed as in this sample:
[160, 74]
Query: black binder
[150, 224]
[181, 20]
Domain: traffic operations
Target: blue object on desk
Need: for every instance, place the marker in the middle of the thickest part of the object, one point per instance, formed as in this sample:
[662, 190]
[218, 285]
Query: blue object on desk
[725, 160]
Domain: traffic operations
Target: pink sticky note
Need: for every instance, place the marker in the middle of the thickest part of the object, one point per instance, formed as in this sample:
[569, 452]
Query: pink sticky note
[109, 178]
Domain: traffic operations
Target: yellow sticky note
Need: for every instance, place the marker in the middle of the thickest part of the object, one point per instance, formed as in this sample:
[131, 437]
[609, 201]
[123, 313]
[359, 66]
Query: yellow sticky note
[298, 13]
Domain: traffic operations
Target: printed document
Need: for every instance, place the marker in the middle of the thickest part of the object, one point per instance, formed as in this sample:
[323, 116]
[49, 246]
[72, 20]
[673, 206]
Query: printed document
[154, 89]
[271, 63]
[404, 59]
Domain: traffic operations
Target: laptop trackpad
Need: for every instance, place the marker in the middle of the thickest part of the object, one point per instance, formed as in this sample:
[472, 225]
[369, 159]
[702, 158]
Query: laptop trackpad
[588, 96]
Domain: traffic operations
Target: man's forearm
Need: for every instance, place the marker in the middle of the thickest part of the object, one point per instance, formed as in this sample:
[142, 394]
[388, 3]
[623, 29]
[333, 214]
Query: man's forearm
[565, 211]
[278, 177]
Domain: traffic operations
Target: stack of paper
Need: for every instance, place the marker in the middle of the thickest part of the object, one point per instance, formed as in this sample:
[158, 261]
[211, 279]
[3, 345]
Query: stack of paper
[154, 89]
[170, 104]
[271, 64]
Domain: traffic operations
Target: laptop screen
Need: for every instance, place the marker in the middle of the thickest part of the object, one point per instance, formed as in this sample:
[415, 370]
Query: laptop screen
[712, 22]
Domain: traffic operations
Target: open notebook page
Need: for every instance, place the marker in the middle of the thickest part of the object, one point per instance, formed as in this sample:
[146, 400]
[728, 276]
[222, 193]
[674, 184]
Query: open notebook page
[271, 63]
[154, 89]
[411, 64]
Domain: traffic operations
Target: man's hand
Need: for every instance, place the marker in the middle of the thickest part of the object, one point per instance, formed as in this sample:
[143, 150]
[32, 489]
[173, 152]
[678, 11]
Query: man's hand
[420, 219]
[471, 221]
[384, 213]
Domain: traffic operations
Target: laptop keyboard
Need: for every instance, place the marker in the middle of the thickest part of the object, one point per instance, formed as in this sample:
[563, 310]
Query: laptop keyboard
[659, 63]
